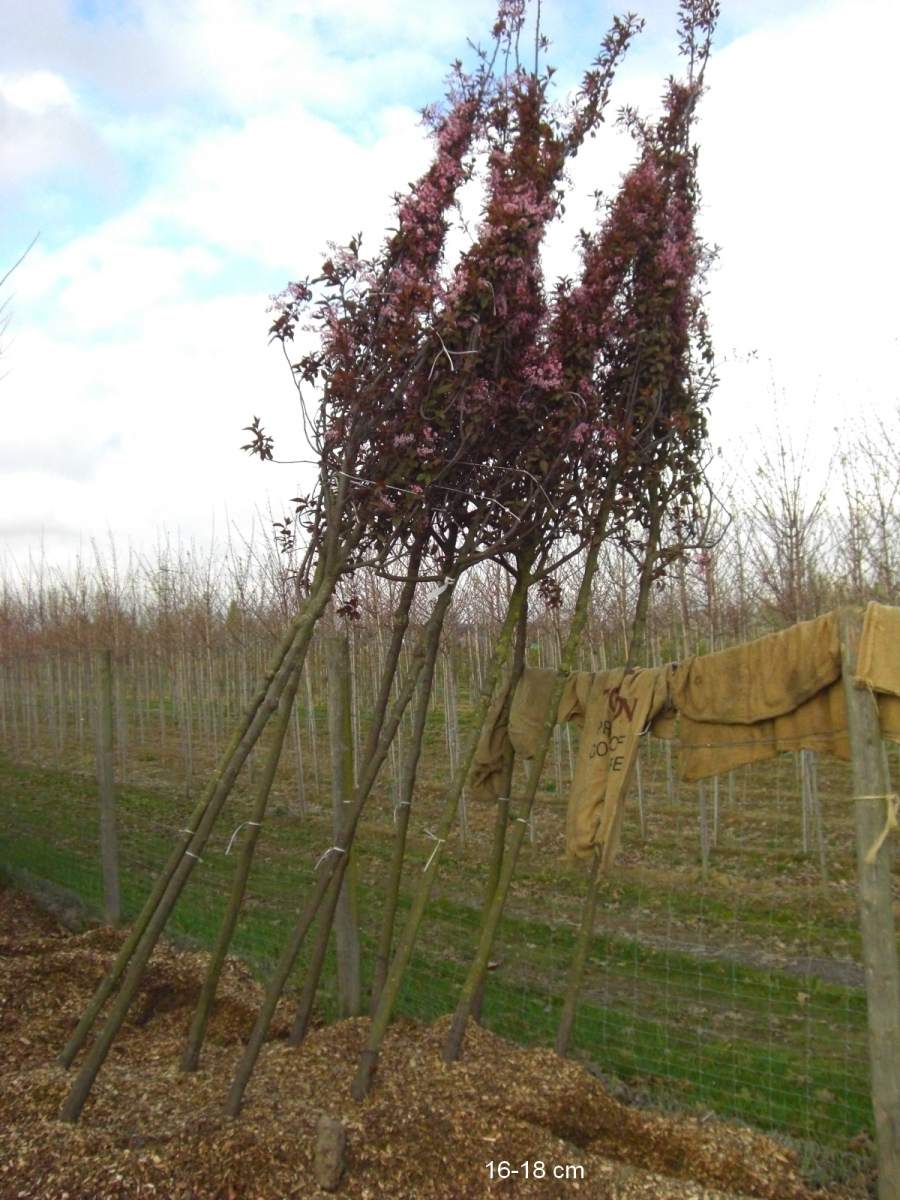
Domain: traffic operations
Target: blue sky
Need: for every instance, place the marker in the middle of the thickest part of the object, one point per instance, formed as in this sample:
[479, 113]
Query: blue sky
[181, 159]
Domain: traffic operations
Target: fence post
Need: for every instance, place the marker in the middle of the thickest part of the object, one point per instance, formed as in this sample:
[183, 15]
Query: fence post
[340, 735]
[106, 786]
[870, 787]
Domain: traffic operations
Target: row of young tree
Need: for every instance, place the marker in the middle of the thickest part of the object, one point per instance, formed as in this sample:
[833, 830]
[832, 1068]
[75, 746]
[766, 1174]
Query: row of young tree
[777, 547]
[462, 414]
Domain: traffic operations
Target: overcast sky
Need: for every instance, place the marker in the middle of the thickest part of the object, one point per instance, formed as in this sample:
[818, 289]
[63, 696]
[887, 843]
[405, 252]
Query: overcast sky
[182, 159]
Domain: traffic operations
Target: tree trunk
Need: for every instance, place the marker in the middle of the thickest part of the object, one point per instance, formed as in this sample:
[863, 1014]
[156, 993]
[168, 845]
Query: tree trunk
[403, 953]
[332, 865]
[491, 920]
[139, 946]
[638, 644]
[502, 819]
[191, 1056]
[404, 806]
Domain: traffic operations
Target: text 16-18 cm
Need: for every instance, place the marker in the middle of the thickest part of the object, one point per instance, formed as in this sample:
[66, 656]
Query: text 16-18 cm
[503, 1169]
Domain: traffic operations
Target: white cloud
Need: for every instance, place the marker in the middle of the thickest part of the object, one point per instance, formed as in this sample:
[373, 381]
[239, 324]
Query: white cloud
[36, 92]
[799, 194]
[109, 278]
[282, 185]
[256, 54]
[44, 130]
[146, 431]
[128, 389]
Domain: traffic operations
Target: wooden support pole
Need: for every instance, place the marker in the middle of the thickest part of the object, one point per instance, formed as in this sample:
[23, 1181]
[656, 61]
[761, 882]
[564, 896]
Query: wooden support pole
[106, 786]
[871, 788]
[340, 734]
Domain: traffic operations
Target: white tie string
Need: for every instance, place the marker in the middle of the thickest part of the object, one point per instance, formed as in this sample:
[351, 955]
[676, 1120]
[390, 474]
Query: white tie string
[257, 824]
[330, 850]
[438, 842]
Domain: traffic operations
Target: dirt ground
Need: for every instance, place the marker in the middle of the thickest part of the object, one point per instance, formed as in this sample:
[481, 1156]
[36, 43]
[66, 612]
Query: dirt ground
[428, 1130]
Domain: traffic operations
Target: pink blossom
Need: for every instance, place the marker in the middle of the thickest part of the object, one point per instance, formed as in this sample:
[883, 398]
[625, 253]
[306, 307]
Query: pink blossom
[547, 374]
[510, 17]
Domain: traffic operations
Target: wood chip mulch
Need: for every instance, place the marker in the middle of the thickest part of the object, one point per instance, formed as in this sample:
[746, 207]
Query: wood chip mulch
[427, 1130]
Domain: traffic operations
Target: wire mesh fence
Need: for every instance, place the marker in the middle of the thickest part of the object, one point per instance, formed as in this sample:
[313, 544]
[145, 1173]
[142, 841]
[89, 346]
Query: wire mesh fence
[725, 971]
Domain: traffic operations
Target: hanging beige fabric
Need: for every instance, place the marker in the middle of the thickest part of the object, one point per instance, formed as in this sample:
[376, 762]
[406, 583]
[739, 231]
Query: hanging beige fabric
[613, 708]
[531, 701]
[819, 724]
[790, 712]
[523, 724]
[620, 707]
[878, 662]
[709, 748]
[761, 679]
[487, 763]
[738, 706]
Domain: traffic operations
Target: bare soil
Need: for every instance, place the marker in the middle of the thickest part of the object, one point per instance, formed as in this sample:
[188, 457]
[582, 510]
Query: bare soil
[427, 1130]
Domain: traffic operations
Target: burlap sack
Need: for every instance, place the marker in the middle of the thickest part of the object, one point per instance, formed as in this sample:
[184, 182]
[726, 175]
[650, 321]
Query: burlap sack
[759, 680]
[878, 663]
[712, 746]
[487, 763]
[528, 713]
[742, 705]
[709, 749]
[613, 707]
[620, 707]
[523, 724]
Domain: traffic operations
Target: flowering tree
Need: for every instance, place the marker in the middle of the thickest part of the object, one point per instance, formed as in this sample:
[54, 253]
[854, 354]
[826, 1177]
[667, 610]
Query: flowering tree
[464, 434]
[465, 411]
[419, 364]
[634, 333]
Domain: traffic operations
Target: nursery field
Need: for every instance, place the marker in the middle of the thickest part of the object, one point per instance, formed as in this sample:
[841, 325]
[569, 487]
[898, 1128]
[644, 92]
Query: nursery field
[723, 978]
